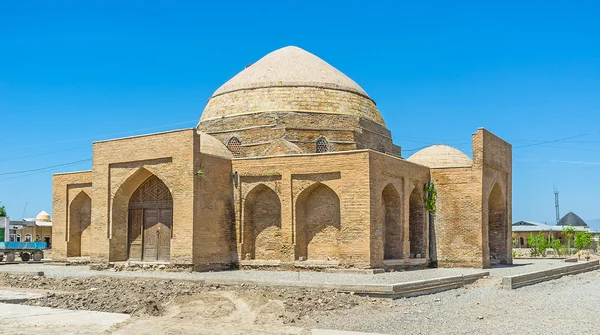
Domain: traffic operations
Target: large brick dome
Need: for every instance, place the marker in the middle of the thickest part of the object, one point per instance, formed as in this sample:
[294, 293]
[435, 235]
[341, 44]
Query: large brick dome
[290, 102]
[291, 79]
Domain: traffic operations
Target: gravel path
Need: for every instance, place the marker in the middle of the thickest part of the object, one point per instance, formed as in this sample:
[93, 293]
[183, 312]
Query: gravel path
[522, 266]
[568, 305]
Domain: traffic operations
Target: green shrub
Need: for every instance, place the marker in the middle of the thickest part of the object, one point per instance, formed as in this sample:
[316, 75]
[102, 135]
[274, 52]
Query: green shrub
[558, 247]
[569, 231]
[583, 240]
[538, 244]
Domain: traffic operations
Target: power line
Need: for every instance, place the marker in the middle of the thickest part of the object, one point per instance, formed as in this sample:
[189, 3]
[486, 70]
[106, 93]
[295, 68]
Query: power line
[43, 153]
[29, 174]
[45, 168]
[96, 137]
[553, 141]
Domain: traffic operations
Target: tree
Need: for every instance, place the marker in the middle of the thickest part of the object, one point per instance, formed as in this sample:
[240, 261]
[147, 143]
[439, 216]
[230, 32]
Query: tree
[557, 246]
[538, 244]
[2, 212]
[569, 231]
[583, 240]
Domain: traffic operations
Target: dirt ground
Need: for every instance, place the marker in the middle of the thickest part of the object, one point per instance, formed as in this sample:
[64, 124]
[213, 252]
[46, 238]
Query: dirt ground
[175, 307]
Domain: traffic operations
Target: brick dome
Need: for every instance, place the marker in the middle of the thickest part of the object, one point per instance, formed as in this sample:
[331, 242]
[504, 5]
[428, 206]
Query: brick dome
[211, 146]
[290, 79]
[441, 156]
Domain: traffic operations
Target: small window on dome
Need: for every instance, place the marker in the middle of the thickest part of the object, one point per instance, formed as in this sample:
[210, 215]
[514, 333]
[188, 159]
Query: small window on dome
[235, 146]
[322, 145]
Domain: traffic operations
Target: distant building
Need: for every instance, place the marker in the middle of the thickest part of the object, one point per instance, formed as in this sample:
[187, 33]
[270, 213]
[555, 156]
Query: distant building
[522, 229]
[31, 229]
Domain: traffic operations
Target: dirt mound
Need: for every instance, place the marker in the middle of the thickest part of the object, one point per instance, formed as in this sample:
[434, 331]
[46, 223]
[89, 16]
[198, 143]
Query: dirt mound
[154, 297]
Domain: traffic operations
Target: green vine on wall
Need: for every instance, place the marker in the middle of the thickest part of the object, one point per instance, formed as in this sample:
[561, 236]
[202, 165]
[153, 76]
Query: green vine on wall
[430, 196]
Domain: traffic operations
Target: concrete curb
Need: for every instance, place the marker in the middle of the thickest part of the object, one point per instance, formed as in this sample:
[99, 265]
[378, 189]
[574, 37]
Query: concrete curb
[394, 291]
[23, 273]
[513, 282]
[399, 290]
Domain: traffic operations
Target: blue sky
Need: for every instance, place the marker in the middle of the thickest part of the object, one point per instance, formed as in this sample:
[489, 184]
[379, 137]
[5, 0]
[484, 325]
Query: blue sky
[72, 72]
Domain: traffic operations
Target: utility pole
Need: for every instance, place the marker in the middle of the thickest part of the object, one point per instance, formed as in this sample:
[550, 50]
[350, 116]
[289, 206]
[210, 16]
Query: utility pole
[556, 204]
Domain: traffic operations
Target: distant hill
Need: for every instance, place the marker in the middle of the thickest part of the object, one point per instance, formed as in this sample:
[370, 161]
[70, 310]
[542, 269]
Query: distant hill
[594, 224]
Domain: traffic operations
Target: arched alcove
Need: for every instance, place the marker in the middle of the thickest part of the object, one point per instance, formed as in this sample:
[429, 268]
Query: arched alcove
[262, 224]
[497, 227]
[416, 224]
[392, 223]
[318, 223]
[80, 217]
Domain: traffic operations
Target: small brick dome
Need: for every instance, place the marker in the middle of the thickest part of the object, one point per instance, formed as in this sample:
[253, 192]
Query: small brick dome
[290, 80]
[441, 156]
[211, 146]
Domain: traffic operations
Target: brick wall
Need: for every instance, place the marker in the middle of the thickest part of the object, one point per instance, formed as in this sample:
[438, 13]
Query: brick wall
[457, 221]
[120, 167]
[393, 175]
[213, 234]
[462, 220]
[493, 157]
[324, 204]
[65, 188]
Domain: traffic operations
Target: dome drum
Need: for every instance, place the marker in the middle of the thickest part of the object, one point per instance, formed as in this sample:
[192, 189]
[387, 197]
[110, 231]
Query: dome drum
[343, 132]
[290, 99]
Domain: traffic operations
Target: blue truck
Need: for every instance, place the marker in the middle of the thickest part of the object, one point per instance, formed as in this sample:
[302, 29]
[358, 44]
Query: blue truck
[25, 250]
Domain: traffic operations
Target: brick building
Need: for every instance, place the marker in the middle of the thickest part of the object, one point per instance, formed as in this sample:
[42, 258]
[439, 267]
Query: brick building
[291, 165]
[30, 229]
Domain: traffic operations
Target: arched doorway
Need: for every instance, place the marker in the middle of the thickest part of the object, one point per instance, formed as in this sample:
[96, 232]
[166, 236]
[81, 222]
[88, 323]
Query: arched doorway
[150, 221]
[80, 218]
[416, 225]
[497, 227]
[262, 224]
[392, 224]
[318, 223]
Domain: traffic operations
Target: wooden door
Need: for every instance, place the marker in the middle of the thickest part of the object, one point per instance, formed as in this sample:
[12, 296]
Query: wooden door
[135, 234]
[164, 236]
[151, 233]
[150, 222]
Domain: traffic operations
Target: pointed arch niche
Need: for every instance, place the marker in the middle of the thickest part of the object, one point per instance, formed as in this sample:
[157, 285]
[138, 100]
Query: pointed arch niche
[79, 243]
[416, 225]
[262, 225]
[142, 219]
[497, 227]
[318, 223]
[392, 223]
